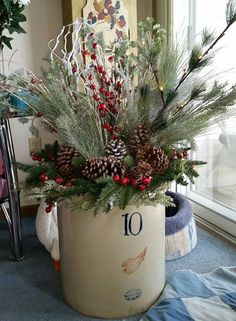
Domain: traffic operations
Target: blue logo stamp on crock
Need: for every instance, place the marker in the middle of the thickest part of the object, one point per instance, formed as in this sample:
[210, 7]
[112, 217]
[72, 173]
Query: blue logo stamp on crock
[133, 294]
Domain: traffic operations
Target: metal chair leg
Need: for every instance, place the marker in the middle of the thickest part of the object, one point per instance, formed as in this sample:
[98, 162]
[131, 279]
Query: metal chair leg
[16, 248]
[13, 216]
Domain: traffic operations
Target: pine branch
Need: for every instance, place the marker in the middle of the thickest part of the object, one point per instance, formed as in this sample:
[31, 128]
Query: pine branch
[230, 12]
[28, 168]
[200, 58]
[126, 195]
[159, 88]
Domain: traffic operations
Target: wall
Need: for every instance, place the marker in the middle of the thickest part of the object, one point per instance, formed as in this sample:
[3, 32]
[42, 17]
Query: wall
[144, 9]
[44, 21]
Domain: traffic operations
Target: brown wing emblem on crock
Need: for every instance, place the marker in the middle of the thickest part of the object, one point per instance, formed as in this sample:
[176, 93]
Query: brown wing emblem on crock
[131, 265]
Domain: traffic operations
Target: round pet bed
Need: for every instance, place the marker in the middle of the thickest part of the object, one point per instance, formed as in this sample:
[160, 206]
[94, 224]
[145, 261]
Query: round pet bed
[181, 234]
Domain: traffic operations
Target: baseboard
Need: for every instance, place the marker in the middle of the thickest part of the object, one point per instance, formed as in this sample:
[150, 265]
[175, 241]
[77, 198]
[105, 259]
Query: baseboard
[26, 211]
[229, 238]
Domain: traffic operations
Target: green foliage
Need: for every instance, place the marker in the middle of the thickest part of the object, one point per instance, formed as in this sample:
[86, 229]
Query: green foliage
[49, 152]
[69, 112]
[27, 168]
[207, 37]
[129, 162]
[78, 162]
[196, 61]
[179, 171]
[34, 172]
[157, 196]
[230, 12]
[126, 195]
[150, 40]
[10, 18]
[197, 91]
[108, 197]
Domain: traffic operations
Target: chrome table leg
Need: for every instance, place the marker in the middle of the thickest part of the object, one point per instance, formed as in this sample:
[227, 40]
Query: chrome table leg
[13, 216]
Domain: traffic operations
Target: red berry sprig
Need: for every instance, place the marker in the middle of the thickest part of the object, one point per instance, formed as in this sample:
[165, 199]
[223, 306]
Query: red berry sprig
[146, 180]
[49, 208]
[95, 45]
[92, 86]
[84, 53]
[110, 59]
[102, 107]
[107, 127]
[74, 69]
[43, 177]
[36, 157]
[96, 97]
[102, 90]
[93, 56]
[134, 182]
[116, 178]
[125, 181]
[59, 180]
[140, 185]
[179, 154]
[34, 81]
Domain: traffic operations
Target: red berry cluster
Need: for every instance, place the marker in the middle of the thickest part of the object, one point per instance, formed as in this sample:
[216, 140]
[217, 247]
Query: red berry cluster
[43, 177]
[142, 184]
[106, 89]
[179, 154]
[49, 208]
[59, 180]
[34, 81]
[36, 157]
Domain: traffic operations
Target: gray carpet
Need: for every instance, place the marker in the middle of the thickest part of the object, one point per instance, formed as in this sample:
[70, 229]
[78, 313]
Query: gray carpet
[30, 290]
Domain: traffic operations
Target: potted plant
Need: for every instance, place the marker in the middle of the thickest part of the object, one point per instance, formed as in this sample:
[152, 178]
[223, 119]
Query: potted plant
[125, 116]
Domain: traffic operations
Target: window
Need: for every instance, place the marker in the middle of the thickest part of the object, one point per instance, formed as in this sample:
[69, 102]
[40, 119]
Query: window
[214, 194]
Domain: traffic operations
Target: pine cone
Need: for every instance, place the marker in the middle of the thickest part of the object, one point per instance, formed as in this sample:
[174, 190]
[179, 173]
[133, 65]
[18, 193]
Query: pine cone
[141, 136]
[155, 156]
[103, 166]
[64, 161]
[142, 169]
[116, 148]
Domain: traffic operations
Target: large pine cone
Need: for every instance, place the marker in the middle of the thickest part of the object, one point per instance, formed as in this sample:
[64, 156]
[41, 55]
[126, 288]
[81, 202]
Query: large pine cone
[141, 136]
[116, 148]
[103, 166]
[142, 169]
[155, 156]
[64, 161]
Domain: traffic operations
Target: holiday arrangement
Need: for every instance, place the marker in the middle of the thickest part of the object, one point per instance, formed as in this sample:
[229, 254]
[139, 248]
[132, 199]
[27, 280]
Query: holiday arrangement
[125, 115]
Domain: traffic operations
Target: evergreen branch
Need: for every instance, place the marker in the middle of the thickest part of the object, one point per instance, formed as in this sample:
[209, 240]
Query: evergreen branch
[230, 12]
[207, 37]
[193, 65]
[126, 195]
[195, 93]
[159, 88]
[27, 168]
[108, 196]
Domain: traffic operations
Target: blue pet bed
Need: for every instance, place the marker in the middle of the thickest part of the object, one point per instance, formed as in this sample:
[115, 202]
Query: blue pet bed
[181, 235]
